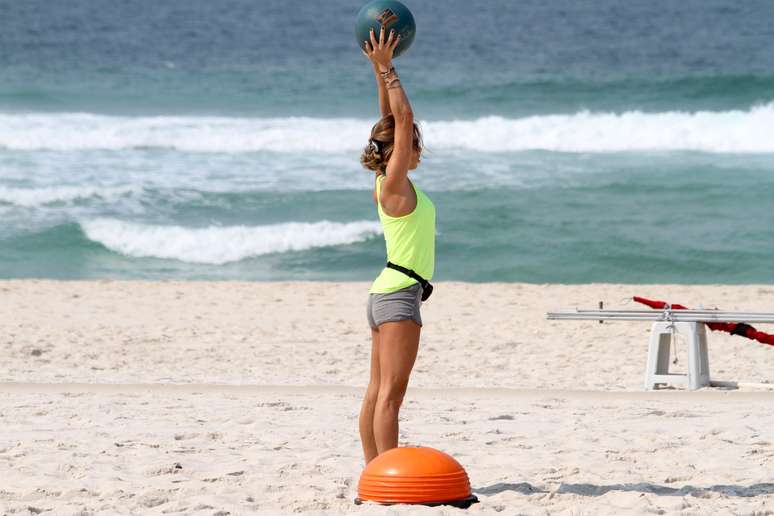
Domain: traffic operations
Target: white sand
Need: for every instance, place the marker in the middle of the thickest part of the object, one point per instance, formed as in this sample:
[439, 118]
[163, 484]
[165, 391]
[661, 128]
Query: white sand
[547, 417]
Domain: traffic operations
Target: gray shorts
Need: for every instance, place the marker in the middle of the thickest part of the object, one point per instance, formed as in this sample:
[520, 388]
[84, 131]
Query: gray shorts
[402, 305]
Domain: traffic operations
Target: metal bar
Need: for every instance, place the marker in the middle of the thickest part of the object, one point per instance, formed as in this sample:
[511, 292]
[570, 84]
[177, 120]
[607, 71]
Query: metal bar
[667, 317]
[657, 311]
[676, 319]
[662, 315]
[686, 312]
[691, 318]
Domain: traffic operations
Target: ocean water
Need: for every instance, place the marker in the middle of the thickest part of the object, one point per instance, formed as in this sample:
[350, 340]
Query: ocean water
[566, 141]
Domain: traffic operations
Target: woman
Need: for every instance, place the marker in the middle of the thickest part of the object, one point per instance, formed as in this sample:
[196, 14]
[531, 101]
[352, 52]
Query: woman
[408, 219]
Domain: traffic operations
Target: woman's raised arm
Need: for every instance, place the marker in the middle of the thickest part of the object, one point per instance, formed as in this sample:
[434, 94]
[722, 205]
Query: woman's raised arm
[384, 101]
[380, 53]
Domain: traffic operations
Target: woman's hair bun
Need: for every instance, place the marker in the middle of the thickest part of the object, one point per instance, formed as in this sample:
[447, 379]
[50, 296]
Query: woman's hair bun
[371, 157]
[377, 153]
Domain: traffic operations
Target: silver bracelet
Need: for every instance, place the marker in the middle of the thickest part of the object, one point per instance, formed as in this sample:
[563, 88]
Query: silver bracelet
[390, 78]
[388, 72]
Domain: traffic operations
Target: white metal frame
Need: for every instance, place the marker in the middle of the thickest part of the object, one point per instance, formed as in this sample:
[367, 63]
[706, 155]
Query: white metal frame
[668, 323]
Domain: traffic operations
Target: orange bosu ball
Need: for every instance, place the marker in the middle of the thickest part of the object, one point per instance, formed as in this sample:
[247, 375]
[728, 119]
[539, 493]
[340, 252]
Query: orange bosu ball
[415, 475]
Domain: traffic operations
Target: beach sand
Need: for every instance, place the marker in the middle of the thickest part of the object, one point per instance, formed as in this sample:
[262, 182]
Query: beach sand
[122, 397]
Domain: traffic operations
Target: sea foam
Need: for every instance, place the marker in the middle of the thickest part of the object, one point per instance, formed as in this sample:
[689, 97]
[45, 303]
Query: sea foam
[219, 245]
[741, 131]
[41, 196]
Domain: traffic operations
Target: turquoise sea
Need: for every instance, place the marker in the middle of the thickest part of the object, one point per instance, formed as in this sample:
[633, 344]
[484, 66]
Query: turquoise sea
[567, 141]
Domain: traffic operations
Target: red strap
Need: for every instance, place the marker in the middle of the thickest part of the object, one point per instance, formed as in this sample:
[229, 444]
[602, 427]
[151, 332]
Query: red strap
[750, 333]
[657, 304]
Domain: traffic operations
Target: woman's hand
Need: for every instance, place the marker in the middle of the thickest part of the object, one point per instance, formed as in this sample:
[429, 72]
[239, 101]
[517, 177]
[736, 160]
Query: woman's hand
[380, 52]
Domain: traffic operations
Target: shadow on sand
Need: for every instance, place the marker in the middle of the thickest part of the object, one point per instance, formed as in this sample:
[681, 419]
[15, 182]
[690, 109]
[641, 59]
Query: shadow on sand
[641, 487]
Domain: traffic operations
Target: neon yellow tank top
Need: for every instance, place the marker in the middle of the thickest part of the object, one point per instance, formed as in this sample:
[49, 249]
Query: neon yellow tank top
[410, 241]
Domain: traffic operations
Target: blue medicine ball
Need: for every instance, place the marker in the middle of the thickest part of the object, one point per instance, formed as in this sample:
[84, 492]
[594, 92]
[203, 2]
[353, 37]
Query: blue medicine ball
[392, 15]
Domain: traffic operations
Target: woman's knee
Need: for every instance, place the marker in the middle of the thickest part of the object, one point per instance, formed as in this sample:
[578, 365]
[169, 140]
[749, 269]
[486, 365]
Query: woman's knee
[391, 394]
[372, 393]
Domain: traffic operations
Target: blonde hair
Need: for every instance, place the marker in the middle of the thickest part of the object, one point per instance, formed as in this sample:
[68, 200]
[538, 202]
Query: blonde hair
[377, 153]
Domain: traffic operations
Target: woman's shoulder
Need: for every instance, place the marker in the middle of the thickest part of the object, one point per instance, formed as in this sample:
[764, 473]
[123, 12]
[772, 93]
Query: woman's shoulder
[377, 186]
[379, 180]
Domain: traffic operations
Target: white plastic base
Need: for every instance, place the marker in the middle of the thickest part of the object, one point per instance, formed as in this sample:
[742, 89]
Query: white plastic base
[657, 370]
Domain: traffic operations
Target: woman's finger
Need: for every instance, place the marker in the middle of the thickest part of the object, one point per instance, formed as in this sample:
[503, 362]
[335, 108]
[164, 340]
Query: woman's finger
[395, 43]
[374, 45]
[367, 48]
[381, 36]
[391, 38]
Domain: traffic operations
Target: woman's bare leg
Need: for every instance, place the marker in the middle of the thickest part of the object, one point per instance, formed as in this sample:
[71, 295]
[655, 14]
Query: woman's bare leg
[369, 403]
[398, 344]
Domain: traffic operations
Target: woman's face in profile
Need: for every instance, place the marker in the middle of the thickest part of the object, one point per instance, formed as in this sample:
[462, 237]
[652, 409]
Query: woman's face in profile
[415, 158]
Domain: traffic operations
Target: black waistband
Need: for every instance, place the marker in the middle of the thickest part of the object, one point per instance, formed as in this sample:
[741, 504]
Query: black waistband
[427, 288]
[408, 272]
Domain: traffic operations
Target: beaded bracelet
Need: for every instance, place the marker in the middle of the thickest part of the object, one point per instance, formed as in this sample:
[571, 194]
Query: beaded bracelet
[391, 79]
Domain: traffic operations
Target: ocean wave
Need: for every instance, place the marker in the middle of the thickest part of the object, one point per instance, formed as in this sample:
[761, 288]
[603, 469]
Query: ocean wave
[32, 197]
[81, 131]
[739, 131]
[218, 245]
